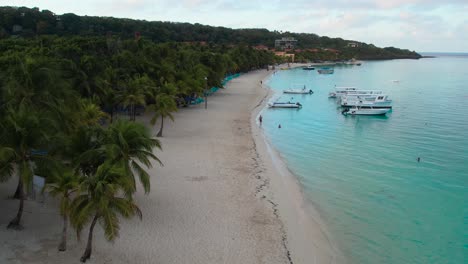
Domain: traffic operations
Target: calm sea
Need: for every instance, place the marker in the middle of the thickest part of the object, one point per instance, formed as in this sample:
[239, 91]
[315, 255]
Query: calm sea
[362, 173]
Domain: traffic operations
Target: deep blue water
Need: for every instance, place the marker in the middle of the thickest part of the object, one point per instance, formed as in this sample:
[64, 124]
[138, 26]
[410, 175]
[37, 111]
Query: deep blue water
[380, 204]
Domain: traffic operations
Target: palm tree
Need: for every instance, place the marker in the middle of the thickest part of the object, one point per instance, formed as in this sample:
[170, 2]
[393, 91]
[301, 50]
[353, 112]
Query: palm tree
[62, 183]
[163, 107]
[98, 201]
[23, 132]
[130, 144]
[135, 94]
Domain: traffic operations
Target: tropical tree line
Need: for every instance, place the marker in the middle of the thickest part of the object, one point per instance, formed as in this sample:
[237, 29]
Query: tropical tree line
[59, 99]
[31, 22]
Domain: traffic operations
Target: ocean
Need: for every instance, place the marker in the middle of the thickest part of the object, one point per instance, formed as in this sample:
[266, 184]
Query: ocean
[380, 204]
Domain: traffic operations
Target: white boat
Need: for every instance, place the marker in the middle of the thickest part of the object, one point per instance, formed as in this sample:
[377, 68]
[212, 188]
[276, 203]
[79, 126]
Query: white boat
[326, 70]
[346, 91]
[365, 110]
[298, 91]
[308, 68]
[298, 88]
[285, 105]
[339, 90]
[353, 62]
[376, 101]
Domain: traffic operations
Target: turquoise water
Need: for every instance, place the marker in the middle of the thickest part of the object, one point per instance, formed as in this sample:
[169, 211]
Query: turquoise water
[380, 204]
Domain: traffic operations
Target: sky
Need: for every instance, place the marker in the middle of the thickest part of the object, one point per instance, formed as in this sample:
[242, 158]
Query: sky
[420, 25]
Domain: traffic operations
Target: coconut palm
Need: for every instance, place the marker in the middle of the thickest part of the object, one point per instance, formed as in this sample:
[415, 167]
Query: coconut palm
[62, 183]
[163, 107]
[99, 201]
[131, 145]
[23, 132]
[135, 94]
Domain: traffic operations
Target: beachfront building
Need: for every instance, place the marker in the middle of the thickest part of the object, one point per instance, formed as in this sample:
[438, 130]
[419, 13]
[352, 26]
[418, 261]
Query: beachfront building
[285, 43]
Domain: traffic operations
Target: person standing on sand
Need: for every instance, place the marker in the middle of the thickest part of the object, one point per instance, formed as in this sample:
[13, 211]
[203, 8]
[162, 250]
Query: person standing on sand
[260, 119]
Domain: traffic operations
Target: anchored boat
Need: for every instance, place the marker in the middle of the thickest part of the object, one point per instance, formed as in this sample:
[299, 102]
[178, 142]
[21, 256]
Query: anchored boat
[365, 110]
[285, 105]
[376, 101]
[308, 68]
[326, 70]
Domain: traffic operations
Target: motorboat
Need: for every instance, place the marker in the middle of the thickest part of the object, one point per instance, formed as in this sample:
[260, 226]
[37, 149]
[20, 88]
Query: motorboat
[365, 110]
[308, 68]
[326, 70]
[353, 62]
[345, 91]
[339, 90]
[288, 104]
[298, 89]
[376, 101]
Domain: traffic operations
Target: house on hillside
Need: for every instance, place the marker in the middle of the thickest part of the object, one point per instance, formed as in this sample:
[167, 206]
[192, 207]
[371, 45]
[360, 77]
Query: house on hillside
[352, 45]
[285, 43]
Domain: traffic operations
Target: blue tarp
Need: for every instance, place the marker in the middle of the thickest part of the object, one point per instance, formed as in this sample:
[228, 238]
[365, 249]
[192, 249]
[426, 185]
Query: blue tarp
[214, 89]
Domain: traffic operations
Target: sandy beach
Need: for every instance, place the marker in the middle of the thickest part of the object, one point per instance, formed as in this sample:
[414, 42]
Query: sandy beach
[223, 196]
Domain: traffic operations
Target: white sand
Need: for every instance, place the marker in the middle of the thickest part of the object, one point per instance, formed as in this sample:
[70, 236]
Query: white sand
[223, 196]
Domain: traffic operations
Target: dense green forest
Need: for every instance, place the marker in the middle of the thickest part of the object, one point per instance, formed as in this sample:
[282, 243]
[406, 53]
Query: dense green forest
[28, 22]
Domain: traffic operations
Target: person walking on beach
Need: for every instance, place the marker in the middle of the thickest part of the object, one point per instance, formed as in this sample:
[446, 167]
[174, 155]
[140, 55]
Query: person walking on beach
[260, 119]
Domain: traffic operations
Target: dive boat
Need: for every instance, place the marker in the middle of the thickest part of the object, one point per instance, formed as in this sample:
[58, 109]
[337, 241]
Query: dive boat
[376, 101]
[365, 110]
[285, 105]
[340, 90]
[326, 70]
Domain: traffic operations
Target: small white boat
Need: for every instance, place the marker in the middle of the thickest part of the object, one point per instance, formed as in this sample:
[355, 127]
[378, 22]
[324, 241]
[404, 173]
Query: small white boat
[365, 110]
[308, 68]
[326, 70]
[353, 62]
[285, 105]
[298, 91]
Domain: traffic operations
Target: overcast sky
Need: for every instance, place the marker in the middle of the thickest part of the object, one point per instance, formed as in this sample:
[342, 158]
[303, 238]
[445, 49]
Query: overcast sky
[421, 25]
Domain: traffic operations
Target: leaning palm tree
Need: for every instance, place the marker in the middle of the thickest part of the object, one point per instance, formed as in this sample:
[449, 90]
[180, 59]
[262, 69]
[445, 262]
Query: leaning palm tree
[23, 132]
[131, 145]
[62, 183]
[163, 107]
[99, 201]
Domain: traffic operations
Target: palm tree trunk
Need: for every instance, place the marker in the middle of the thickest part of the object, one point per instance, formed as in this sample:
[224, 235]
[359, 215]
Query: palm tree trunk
[16, 222]
[161, 129]
[111, 115]
[17, 192]
[63, 244]
[87, 253]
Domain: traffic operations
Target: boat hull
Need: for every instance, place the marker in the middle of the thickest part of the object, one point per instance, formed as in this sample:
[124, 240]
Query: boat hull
[298, 91]
[284, 105]
[366, 111]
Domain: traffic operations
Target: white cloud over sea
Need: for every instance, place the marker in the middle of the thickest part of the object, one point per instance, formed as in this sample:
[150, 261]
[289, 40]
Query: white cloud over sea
[421, 25]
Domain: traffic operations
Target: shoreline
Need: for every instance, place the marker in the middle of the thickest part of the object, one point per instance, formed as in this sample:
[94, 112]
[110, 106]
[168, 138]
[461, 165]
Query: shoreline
[302, 222]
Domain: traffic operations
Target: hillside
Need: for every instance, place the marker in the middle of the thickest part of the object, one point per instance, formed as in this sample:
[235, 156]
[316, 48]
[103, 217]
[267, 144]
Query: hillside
[30, 22]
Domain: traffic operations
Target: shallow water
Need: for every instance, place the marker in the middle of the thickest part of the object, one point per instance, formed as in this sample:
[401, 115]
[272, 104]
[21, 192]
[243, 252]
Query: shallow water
[380, 204]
